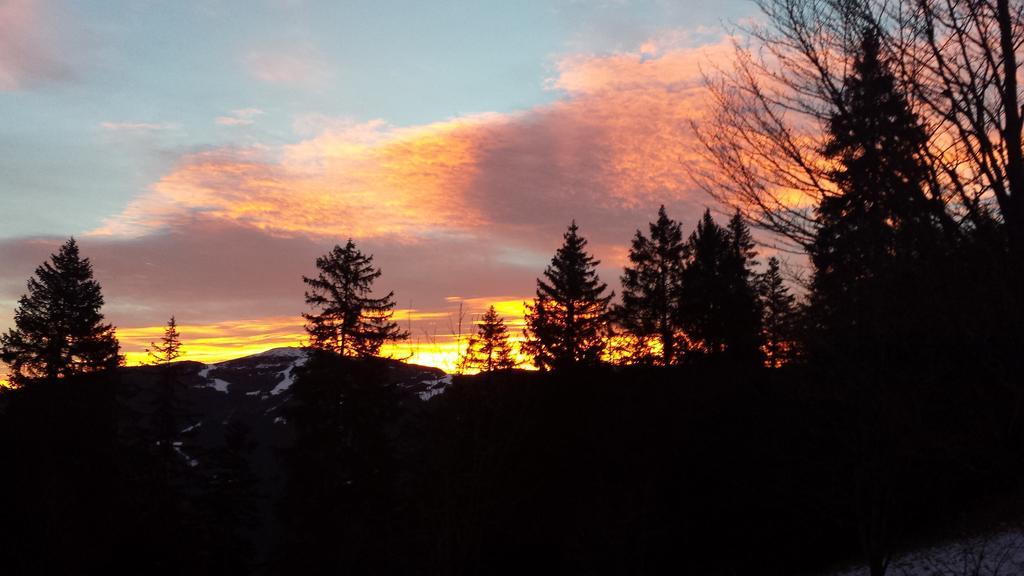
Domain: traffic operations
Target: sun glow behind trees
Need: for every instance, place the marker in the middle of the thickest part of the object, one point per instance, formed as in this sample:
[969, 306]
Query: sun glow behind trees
[433, 341]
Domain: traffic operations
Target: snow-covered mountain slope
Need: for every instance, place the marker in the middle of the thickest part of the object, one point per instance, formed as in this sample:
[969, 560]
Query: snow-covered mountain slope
[254, 390]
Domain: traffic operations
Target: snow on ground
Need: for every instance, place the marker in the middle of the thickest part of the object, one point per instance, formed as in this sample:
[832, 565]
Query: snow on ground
[192, 427]
[288, 374]
[435, 386]
[287, 378]
[296, 353]
[215, 383]
[999, 554]
[192, 462]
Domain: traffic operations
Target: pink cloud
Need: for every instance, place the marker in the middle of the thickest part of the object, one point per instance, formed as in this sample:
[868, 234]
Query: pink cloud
[618, 143]
[29, 47]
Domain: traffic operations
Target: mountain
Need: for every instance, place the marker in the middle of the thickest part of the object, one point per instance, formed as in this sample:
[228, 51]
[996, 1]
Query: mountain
[254, 390]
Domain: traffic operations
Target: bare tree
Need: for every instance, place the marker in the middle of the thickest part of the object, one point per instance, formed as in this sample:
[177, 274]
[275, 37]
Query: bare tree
[957, 62]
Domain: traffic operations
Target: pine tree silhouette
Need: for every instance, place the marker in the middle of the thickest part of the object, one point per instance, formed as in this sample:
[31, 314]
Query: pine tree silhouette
[870, 306]
[168, 349]
[650, 290]
[880, 219]
[349, 321]
[568, 321]
[168, 407]
[489, 349]
[779, 311]
[743, 311]
[718, 304]
[59, 330]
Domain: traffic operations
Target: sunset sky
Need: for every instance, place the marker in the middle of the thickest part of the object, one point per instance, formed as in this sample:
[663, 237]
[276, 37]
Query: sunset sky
[204, 153]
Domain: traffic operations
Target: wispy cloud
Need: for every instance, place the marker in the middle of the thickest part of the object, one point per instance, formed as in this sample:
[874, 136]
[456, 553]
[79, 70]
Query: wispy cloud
[240, 117]
[136, 126]
[294, 67]
[618, 140]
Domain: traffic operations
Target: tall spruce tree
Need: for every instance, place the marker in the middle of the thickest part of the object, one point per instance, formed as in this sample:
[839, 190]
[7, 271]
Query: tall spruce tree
[743, 311]
[348, 321]
[58, 327]
[779, 311]
[718, 305]
[650, 291]
[567, 323]
[489, 349]
[880, 222]
[871, 304]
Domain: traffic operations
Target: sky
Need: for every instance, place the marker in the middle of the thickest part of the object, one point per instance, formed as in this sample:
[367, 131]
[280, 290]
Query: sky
[205, 153]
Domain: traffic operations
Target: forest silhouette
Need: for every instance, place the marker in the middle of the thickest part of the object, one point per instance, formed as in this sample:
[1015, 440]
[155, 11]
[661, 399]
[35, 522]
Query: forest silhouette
[713, 417]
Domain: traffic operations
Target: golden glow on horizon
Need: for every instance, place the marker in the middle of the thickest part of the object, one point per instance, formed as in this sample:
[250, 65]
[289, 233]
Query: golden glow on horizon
[429, 343]
[209, 343]
[218, 342]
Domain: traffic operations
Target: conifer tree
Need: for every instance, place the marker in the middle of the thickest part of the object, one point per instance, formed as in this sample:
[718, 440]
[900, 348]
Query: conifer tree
[168, 349]
[718, 305]
[700, 300]
[348, 320]
[167, 405]
[779, 309]
[59, 330]
[489, 349]
[880, 223]
[650, 290]
[743, 311]
[568, 321]
[869, 308]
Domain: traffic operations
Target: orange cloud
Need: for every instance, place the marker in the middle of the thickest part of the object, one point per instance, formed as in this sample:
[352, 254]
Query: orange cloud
[364, 181]
[619, 138]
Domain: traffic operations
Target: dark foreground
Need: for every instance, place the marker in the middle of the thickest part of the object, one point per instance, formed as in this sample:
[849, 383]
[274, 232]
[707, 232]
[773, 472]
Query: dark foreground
[359, 468]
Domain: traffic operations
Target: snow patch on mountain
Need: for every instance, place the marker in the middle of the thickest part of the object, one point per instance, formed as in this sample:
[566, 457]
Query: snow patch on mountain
[435, 386]
[288, 374]
[192, 427]
[192, 462]
[287, 379]
[297, 353]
